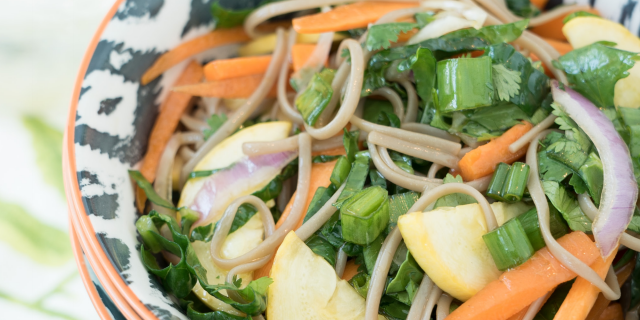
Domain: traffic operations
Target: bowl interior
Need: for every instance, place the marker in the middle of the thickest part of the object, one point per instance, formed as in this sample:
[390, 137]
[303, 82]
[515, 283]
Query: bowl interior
[114, 115]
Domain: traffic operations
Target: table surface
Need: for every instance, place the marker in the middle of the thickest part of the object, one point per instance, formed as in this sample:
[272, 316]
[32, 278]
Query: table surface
[42, 43]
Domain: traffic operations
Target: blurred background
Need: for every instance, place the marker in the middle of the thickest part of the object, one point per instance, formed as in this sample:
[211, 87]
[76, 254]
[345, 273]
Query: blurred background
[42, 43]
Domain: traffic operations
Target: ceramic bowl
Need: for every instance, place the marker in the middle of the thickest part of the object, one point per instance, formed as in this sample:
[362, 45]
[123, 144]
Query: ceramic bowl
[110, 118]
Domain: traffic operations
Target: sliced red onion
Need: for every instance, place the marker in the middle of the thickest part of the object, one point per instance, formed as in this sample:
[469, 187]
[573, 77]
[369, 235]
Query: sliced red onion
[620, 190]
[249, 173]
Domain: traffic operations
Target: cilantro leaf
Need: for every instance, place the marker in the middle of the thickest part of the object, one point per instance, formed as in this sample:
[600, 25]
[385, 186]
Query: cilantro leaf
[454, 199]
[381, 36]
[567, 205]
[424, 18]
[594, 70]
[215, 122]
[506, 82]
[572, 130]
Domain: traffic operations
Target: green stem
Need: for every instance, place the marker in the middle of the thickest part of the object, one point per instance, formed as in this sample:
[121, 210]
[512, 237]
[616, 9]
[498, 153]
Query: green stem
[36, 307]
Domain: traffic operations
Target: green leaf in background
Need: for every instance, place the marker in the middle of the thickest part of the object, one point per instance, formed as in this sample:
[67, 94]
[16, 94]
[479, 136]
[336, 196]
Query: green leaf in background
[231, 13]
[215, 122]
[29, 236]
[506, 82]
[47, 143]
[594, 70]
[523, 8]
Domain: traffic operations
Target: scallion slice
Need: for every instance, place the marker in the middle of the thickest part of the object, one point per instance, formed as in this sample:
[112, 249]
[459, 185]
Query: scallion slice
[146, 228]
[365, 215]
[355, 180]
[509, 245]
[531, 225]
[516, 182]
[340, 171]
[497, 181]
[464, 83]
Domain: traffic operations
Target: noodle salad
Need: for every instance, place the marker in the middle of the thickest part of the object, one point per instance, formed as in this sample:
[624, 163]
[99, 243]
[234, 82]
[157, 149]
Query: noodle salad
[397, 160]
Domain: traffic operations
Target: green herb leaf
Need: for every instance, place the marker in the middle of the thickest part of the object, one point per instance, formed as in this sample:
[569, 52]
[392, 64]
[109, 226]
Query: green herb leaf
[409, 271]
[323, 248]
[594, 70]
[506, 82]
[573, 132]
[423, 65]
[424, 18]
[315, 98]
[400, 204]
[523, 8]
[231, 13]
[47, 143]
[255, 293]
[567, 205]
[631, 118]
[454, 199]
[215, 122]
[381, 36]
[371, 251]
[350, 141]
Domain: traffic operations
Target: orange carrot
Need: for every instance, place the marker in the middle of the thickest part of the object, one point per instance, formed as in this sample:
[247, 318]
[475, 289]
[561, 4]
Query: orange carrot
[172, 108]
[520, 315]
[240, 87]
[583, 294]
[612, 312]
[300, 53]
[563, 47]
[180, 53]
[350, 16]
[320, 174]
[553, 28]
[623, 273]
[236, 67]
[350, 270]
[482, 161]
[521, 286]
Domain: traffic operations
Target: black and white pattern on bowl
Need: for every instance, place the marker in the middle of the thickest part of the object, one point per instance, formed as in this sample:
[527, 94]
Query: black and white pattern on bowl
[114, 117]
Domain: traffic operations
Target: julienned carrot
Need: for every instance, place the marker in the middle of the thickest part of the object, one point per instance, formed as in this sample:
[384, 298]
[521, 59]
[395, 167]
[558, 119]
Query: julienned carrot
[300, 53]
[180, 53]
[172, 108]
[482, 161]
[320, 174]
[350, 16]
[350, 270]
[236, 67]
[240, 87]
[623, 273]
[553, 28]
[539, 3]
[521, 286]
[612, 312]
[520, 315]
[583, 294]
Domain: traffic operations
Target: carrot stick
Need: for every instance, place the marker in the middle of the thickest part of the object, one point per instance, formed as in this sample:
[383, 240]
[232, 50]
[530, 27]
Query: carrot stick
[553, 28]
[623, 273]
[180, 53]
[350, 270]
[612, 312]
[320, 174]
[539, 3]
[300, 53]
[236, 67]
[172, 108]
[482, 161]
[520, 315]
[241, 87]
[583, 294]
[521, 286]
[350, 16]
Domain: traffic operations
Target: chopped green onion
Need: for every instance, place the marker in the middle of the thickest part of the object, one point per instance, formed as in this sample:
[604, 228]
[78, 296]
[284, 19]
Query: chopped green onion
[315, 98]
[355, 181]
[365, 215]
[324, 158]
[360, 282]
[147, 187]
[363, 156]
[319, 199]
[497, 181]
[370, 253]
[509, 245]
[340, 171]
[350, 141]
[592, 173]
[531, 225]
[464, 83]
[516, 182]
[146, 228]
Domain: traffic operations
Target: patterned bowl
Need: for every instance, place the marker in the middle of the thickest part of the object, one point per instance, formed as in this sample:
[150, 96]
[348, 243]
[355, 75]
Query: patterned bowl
[110, 118]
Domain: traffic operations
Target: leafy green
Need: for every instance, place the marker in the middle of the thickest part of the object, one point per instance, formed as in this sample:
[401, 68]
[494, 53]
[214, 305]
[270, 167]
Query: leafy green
[231, 13]
[409, 271]
[523, 8]
[360, 282]
[197, 310]
[31, 237]
[635, 221]
[457, 90]
[380, 112]
[370, 253]
[202, 233]
[498, 117]
[255, 293]
[323, 248]
[631, 118]
[146, 228]
[424, 18]
[534, 87]
[454, 199]
[551, 307]
[350, 141]
[320, 198]
[47, 143]
[381, 36]
[578, 14]
[324, 158]
[506, 82]
[573, 132]
[377, 179]
[568, 152]
[315, 98]
[593, 174]
[567, 205]
[593, 71]
[355, 181]
[400, 204]
[423, 65]
[147, 187]
[393, 309]
[635, 283]
[215, 122]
